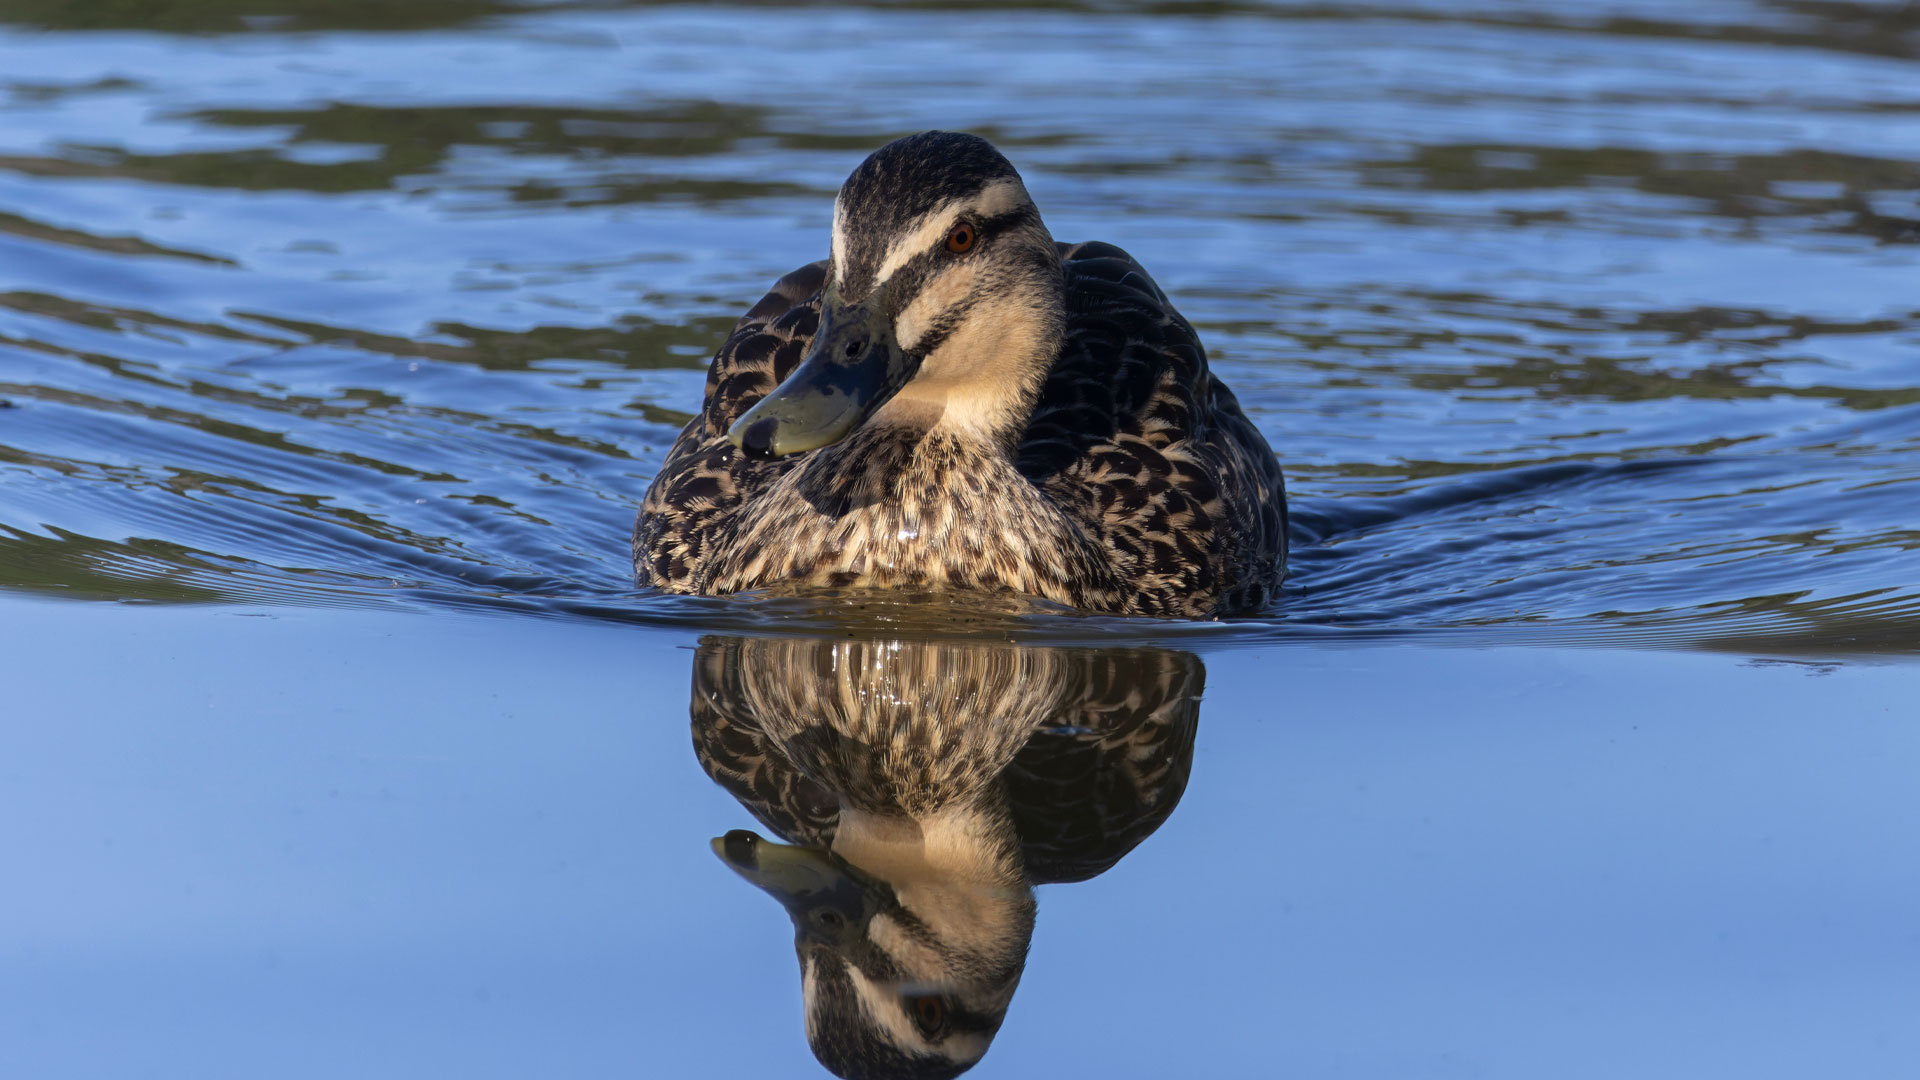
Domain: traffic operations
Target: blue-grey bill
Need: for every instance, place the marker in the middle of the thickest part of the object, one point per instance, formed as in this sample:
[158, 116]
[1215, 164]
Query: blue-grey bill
[851, 370]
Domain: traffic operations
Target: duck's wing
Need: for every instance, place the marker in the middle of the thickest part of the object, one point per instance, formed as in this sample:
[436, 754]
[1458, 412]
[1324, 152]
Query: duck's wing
[703, 481]
[1103, 774]
[736, 751]
[1135, 437]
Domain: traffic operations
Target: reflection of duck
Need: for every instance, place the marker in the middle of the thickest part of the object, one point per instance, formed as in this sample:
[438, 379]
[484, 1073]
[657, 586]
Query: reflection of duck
[929, 786]
[953, 400]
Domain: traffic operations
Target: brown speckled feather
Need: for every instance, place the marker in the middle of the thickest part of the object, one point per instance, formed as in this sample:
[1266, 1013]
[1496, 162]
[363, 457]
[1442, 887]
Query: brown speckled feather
[1139, 486]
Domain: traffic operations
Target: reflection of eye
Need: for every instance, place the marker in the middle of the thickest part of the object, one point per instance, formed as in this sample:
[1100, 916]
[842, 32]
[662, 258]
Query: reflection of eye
[929, 1014]
[960, 240]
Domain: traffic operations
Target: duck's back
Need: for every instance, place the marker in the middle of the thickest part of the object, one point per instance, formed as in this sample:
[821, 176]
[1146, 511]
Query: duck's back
[1133, 435]
[1132, 440]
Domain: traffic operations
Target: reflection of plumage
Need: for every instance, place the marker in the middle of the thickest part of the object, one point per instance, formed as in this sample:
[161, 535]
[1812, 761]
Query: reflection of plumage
[1100, 770]
[946, 779]
[1016, 415]
[895, 727]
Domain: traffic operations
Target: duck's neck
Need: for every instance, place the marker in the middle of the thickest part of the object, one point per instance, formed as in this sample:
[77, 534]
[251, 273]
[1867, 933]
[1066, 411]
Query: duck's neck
[959, 868]
[959, 874]
[959, 842]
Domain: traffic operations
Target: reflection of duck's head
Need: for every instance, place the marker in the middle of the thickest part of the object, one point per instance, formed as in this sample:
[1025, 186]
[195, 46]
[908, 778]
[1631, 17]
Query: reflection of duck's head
[906, 971]
[912, 930]
[927, 787]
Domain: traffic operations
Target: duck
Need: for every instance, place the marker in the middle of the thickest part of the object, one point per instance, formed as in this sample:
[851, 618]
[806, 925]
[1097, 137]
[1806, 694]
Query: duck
[954, 401]
[924, 788]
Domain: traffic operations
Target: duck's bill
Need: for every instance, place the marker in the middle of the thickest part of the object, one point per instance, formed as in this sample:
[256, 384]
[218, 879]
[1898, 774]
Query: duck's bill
[851, 370]
[824, 897]
[783, 870]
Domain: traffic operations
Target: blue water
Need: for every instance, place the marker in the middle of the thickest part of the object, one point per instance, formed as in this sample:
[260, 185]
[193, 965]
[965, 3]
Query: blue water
[337, 348]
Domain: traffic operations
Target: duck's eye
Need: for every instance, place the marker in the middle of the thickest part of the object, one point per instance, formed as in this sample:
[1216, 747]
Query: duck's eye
[960, 240]
[929, 1014]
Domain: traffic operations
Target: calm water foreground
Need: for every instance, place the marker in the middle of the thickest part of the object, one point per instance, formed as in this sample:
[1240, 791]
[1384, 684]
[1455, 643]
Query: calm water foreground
[335, 354]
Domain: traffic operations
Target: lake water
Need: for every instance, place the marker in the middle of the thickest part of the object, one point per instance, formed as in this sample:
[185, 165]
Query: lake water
[337, 347]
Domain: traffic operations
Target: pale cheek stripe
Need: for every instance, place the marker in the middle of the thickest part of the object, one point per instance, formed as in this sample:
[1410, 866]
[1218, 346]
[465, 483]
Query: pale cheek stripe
[809, 991]
[839, 241]
[992, 201]
[937, 296]
[931, 230]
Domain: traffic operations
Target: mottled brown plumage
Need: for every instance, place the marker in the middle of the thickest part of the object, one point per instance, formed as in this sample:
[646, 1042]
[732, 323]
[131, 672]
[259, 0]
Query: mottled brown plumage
[1130, 483]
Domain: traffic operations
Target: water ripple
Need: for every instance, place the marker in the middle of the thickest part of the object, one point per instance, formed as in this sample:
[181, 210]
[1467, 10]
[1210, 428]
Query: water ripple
[1612, 350]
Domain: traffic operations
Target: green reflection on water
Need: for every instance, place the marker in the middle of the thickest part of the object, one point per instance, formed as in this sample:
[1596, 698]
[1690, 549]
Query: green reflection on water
[84, 567]
[30, 229]
[1838, 25]
[1741, 186]
[232, 16]
[416, 141]
[634, 342]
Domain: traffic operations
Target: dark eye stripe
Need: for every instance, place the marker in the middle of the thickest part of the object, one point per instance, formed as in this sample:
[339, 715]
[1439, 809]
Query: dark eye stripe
[910, 924]
[962, 1020]
[984, 230]
[912, 275]
[943, 327]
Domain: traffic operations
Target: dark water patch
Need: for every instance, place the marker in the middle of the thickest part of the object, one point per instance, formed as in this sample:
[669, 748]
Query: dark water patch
[119, 320]
[245, 170]
[1739, 186]
[1624, 353]
[426, 136]
[636, 342]
[38, 93]
[112, 245]
[1874, 29]
[363, 148]
[1616, 380]
[269, 170]
[1886, 228]
[1321, 522]
[249, 16]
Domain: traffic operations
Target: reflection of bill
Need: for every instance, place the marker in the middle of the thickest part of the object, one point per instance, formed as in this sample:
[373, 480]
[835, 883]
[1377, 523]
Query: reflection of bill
[925, 788]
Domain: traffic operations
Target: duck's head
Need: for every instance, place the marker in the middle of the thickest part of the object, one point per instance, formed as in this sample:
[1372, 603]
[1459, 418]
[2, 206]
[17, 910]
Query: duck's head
[906, 969]
[944, 303]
